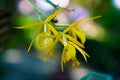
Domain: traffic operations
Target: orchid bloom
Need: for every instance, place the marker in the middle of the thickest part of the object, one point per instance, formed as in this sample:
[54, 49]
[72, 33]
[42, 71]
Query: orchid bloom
[68, 37]
[70, 43]
[39, 28]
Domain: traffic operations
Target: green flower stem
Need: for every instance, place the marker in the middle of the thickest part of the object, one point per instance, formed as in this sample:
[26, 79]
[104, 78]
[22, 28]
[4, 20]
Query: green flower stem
[55, 6]
[36, 9]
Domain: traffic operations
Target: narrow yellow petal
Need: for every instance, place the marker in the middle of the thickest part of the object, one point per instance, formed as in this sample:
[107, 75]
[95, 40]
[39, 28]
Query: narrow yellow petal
[62, 64]
[69, 53]
[83, 53]
[78, 22]
[52, 29]
[80, 34]
[80, 50]
[72, 33]
[74, 41]
[50, 36]
[35, 35]
[53, 15]
[50, 50]
[29, 25]
[75, 63]
[61, 41]
[64, 39]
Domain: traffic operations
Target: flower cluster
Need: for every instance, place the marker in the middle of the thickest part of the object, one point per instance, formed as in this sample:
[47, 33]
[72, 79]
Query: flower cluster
[68, 38]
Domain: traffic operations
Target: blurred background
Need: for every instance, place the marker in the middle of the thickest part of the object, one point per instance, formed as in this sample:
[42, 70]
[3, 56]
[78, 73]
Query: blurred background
[103, 40]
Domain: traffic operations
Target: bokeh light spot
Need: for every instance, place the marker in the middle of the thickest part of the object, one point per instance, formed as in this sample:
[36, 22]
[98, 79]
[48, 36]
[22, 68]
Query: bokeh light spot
[12, 56]
[61, 3]
[24, 7]
[78, 13]
[117, 3]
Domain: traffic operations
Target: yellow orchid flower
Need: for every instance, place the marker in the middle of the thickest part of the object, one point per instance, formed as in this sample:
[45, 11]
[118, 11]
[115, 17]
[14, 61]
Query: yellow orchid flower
[40, 26]
[70, 43]
[45, 41]
[77, 32]
[69, 53]
[59, 37]
[68, 37]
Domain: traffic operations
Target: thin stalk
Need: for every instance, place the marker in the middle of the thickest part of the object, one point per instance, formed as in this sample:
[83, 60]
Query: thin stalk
[55, 6]
[36, 9]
